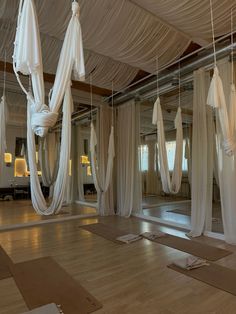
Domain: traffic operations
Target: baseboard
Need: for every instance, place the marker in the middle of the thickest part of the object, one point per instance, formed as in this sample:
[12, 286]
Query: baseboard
[44, 222]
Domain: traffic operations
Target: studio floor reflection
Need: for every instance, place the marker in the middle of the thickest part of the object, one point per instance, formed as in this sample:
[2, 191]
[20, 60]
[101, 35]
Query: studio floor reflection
[178, 210]
[22, 211]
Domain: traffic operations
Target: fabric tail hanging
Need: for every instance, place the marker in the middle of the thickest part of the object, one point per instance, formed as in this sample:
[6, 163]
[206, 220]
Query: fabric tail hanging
[40, 117]
[169, 185]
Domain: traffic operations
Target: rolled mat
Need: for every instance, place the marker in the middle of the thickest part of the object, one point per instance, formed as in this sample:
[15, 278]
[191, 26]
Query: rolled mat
[43, 281]
[5, 263]
[205, 251]
[214, 275]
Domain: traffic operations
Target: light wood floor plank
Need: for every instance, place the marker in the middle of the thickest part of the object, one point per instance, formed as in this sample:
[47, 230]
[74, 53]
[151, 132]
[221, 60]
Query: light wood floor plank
[124, 278]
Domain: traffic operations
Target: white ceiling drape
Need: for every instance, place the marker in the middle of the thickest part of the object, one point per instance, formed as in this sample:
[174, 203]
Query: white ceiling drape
[121, 37]
[192, 17]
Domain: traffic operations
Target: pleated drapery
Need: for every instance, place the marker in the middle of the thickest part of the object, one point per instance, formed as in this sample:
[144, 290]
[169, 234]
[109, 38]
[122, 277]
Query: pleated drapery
[202, 156]
[129, 191]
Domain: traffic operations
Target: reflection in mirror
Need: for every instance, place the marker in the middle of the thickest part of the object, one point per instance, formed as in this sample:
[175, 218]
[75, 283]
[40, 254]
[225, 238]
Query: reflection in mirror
[171, 208]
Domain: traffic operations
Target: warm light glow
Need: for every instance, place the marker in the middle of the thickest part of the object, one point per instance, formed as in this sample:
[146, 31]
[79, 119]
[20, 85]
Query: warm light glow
[89, 173]
[20, 167]
[8, 158]
[37, 157]
[70, 165]
[84, 160]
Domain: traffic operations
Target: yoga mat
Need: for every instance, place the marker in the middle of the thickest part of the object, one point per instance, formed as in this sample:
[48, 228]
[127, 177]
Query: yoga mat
[105, 231]
[214, 275]
[195, 248]
[5, 263]
[42, 281]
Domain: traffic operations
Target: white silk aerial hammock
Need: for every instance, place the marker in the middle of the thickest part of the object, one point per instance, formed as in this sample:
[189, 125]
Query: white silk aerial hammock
[102, 186]
[216, 99]
[171, 185]
[27, 59]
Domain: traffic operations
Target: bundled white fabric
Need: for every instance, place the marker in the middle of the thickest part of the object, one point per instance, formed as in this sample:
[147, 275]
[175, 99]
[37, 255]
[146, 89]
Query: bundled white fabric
[190, 262]
[216, 99]
[27, 59]
[129, 238]
[169, 185]
[3, 146]
[101, 186]
[154, 235]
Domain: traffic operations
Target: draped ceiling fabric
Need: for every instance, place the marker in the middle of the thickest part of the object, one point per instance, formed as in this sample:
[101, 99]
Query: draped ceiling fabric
[192, 17]
[124, 36]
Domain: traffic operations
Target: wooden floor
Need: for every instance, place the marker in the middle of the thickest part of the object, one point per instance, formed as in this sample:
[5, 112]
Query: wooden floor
[124, 278]
[166, 206]
[22, 211]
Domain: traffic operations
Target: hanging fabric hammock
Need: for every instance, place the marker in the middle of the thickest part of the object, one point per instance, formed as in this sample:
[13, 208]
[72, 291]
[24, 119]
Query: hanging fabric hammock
[3, 109]
[170, 185]
[40, 117]
[216, 98]
[101, 186]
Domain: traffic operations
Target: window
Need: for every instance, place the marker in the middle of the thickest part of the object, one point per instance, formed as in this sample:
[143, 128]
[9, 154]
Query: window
[170, 148]
[144, 158]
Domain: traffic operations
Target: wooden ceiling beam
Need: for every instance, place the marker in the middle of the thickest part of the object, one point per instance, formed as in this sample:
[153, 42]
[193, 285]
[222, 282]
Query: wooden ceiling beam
[75, 84]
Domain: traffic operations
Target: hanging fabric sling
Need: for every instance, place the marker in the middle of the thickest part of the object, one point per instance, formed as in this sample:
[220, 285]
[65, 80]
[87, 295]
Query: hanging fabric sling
[170, 185]
[216, 99]
[101, 186]
[40, 117]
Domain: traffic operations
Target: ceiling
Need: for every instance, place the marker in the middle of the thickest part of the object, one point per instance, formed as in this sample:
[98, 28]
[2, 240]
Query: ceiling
[120, 37]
